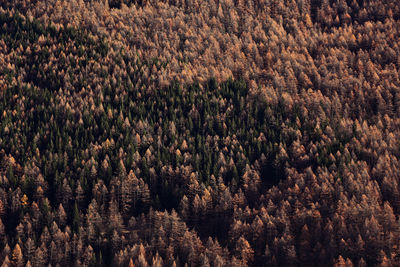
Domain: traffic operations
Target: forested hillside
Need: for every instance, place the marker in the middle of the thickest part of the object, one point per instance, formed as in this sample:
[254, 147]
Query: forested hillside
[199, 133]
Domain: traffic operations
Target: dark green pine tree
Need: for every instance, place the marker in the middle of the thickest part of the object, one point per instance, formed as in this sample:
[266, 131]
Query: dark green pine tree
[76, 219]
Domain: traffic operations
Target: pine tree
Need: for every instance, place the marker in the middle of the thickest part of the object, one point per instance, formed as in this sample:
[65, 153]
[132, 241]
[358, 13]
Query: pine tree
[17, 257]
[6, 262]
[244, 251]
[76, 219]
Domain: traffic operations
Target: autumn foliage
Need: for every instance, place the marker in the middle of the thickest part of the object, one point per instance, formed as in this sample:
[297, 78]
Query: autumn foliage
[199, 133]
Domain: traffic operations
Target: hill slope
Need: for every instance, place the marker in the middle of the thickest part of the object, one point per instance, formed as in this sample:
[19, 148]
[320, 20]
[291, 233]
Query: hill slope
[212, 133]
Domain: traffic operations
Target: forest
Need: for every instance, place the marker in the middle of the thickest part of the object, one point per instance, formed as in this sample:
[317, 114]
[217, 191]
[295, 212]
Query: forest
[200, 133]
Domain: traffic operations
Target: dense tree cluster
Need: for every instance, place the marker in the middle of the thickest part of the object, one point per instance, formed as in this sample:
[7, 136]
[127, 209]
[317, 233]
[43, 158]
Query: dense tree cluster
[199, 133]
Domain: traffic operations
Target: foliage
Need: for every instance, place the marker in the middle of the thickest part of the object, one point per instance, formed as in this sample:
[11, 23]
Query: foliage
[212, 133]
